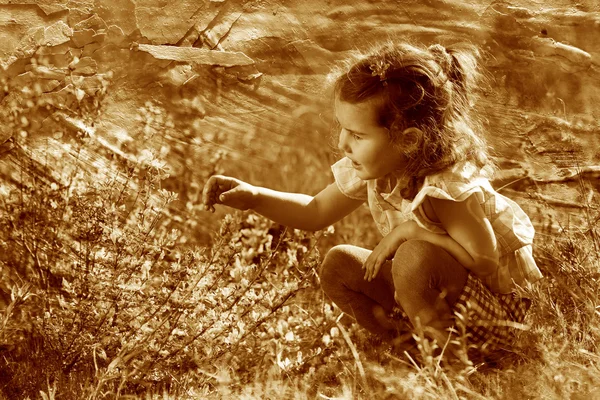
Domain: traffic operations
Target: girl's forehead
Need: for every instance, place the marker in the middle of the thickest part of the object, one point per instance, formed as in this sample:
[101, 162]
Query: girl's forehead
[359, 114]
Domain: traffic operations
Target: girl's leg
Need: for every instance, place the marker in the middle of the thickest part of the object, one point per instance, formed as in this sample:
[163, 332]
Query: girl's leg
[342, 279]
[427, 282]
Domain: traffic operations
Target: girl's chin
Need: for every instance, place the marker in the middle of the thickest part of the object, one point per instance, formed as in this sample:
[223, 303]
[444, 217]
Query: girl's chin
[366, 175]
[362, 174]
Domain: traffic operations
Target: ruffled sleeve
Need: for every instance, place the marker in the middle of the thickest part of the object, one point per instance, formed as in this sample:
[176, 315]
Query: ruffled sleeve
[454, 185]
[348, 181]
[512, 228]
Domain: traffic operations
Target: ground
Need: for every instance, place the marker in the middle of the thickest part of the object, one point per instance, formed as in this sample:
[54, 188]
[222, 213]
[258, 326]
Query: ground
[156, 97]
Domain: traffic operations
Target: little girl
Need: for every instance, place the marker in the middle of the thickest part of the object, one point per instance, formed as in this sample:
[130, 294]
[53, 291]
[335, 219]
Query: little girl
[450, 243]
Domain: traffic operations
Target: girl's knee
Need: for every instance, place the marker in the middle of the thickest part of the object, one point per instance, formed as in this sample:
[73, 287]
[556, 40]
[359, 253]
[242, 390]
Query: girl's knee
[337, 255]
[421, 264]
[417, 249]
[335, 261]
[342, 265]
[413, 259]
[420, 256]
[417, 262]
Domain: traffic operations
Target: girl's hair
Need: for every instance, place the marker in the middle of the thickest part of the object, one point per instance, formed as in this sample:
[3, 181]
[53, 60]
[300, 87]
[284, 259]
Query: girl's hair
[432, 89]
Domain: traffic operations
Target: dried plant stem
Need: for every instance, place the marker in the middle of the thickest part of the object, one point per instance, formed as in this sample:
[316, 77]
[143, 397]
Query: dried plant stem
[355, 354]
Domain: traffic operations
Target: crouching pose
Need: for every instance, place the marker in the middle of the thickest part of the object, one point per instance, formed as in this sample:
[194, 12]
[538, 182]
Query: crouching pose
[413, 151]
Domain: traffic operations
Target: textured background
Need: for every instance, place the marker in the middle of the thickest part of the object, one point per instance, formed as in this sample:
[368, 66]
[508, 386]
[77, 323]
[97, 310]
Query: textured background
[188, 78]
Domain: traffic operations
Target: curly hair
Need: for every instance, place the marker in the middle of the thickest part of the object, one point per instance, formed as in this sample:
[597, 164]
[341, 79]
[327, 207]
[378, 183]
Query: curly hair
[432, 89]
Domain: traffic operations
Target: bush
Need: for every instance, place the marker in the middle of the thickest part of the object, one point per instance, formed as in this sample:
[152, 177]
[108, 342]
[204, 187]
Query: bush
[98, 288]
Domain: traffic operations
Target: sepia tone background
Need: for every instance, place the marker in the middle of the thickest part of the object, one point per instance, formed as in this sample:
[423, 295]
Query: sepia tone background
[108, 288]
[240, 87]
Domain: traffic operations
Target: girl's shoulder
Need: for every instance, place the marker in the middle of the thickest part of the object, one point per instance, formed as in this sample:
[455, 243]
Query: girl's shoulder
[458, 180]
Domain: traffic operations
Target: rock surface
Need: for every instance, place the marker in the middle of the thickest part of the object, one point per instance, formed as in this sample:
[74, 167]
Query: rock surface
[241, 77]
[194, 55]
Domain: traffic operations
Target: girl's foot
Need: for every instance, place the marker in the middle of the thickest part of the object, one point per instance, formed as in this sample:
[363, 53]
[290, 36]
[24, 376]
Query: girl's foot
[392, 321]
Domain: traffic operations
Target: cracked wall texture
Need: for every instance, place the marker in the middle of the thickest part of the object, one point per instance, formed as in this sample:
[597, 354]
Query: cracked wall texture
[252, 74]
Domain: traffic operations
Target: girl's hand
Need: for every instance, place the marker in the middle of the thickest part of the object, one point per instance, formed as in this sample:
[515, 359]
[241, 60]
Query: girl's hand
[387, 247]
[228, 191]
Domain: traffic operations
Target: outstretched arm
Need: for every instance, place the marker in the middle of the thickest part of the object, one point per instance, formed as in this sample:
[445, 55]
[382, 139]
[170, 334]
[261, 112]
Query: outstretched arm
[303, 211]
[295, 210]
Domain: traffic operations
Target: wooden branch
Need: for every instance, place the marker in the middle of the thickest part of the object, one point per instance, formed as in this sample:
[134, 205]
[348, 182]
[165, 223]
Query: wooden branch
[591, 172]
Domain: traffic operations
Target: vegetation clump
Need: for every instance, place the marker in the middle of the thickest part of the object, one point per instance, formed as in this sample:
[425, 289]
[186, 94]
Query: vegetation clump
[105, 291]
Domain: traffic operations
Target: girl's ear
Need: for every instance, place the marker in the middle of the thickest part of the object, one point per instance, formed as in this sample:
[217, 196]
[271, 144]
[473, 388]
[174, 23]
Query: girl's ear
[410, 140]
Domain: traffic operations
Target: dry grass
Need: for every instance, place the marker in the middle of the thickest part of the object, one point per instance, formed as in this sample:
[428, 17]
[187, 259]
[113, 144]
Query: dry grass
[104, 295]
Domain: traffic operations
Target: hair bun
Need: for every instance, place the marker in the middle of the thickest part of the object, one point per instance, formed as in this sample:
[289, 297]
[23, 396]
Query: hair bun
[442, 57]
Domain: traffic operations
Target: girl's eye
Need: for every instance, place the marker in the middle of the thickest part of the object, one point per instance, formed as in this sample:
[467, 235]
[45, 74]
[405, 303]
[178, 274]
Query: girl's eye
[349, 132]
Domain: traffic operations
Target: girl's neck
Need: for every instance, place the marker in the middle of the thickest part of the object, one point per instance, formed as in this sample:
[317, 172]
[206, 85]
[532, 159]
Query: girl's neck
[390, 181]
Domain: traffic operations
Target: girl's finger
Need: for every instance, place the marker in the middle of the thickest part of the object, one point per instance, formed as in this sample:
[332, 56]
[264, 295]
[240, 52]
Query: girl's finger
[207, 189]
[374, 271]
[369, 260]
[367, 270]
[205, 192]
[372, 264]
[229, 194]
[366, 264]
[376, 267]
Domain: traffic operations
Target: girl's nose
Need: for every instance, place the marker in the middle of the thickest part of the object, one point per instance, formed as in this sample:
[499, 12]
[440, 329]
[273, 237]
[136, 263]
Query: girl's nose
[343, 141]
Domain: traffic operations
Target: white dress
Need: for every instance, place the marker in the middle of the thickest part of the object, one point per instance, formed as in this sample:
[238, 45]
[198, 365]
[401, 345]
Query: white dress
[512, 227]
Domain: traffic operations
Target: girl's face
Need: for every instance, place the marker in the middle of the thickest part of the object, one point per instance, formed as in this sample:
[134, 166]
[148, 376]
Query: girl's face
[365, 142]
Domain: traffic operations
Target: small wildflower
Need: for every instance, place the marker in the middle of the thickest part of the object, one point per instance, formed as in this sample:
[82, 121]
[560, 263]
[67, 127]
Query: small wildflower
[289, 336]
